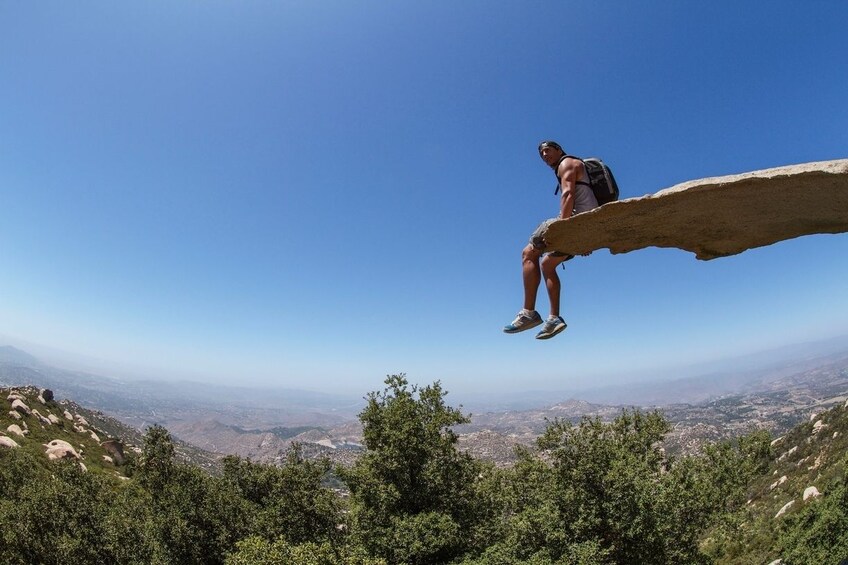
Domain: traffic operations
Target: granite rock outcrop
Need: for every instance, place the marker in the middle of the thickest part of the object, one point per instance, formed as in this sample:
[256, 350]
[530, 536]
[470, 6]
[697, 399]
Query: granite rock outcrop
[718, 216]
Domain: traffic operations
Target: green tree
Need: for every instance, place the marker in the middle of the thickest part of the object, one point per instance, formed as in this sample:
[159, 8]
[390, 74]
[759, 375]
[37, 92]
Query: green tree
[258, 551]
[605, 493]
[605, 483]
[287, 501]
[755, 451]
[156, 464]
[130, 527]
[57, 519]
[195, 518]
[413, 493]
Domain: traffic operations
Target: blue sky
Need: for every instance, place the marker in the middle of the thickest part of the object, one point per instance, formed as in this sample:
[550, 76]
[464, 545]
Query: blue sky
[317, 194]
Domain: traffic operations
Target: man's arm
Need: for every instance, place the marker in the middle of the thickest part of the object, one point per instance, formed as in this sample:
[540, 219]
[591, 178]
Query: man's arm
[570, 171]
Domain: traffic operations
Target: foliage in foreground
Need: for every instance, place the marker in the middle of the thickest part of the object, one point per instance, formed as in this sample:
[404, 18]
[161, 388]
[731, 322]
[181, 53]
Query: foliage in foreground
[591, 493]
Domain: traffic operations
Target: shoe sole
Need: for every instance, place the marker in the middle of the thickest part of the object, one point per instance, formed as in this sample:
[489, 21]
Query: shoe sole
[553, 333]
[527, 327]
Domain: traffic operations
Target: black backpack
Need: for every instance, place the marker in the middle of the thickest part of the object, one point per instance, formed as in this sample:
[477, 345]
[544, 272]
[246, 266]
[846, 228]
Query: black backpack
[600, 179]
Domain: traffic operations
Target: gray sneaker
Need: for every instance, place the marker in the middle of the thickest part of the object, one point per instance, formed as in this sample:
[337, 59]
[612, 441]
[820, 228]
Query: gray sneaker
[523, 322]
[552, 327]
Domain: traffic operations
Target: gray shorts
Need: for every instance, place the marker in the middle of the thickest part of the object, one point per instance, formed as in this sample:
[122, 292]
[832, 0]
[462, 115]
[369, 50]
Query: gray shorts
[537, 240]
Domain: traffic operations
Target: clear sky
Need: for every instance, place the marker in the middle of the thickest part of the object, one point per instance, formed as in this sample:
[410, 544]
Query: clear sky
[316, 194]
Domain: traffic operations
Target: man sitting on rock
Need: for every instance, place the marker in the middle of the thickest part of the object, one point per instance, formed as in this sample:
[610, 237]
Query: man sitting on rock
[577, 197]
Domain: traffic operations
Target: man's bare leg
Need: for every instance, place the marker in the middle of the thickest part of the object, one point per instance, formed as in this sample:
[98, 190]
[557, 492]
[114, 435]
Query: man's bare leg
[532, 274]
[552, 283]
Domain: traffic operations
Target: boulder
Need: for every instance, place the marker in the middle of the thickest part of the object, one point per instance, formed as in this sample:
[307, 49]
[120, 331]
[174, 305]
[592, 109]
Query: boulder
[41, 418]
[68, 416]
[15, 429]
[108, 459]
[54, 419]
[788, 453]
[778, 482]
[716, 217]
[18, 404]
[15, 415]
[783, 510]
[45, 396]
[61, 453]
[8, 442]
[95, 437]
[15, 396]
[81, 421]
[59, 449]
[115, 449]
[59, 443]
[811, 492]
[818, 426]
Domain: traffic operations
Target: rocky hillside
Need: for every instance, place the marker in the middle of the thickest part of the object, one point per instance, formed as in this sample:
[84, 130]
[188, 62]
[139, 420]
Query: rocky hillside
[807, 459]
[799, 502]
[32, 419]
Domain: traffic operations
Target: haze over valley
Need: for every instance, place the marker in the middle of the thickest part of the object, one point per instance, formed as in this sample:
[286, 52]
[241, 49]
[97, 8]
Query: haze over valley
[772, 390]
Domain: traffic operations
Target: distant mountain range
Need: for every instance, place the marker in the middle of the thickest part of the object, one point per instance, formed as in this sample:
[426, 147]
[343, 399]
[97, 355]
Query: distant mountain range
[775, 402]
[773, 390]
[739, 375]
[144, 402]
[688, 384]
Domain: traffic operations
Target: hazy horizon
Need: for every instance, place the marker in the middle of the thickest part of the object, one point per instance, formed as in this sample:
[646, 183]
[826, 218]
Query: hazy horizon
[720, 366]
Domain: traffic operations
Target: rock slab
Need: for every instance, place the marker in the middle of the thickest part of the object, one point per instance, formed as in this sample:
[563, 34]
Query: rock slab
[716, 217]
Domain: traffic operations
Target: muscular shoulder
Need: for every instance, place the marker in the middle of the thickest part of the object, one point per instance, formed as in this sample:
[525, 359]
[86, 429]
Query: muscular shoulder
[570, 166]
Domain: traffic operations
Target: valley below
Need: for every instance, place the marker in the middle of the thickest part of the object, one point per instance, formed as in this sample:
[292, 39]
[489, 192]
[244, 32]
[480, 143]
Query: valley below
[263, 424]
